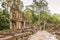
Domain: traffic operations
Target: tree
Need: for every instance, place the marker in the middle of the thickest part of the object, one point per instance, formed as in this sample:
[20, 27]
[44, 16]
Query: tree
[20, 4]
[6, 4]
[53, 19]
[44, 15]
[4, 19]
[37, 6]
[28, 12]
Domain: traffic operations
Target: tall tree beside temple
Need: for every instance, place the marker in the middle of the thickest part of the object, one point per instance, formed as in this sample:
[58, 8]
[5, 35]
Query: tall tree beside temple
[20, 4]
[37, 6]
[8, 3]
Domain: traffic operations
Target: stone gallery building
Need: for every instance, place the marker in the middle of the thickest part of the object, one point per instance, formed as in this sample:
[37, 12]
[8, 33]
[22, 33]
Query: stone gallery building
[17, 18]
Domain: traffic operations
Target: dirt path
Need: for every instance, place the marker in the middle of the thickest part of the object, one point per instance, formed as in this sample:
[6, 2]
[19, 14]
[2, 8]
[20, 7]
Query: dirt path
[42, 35]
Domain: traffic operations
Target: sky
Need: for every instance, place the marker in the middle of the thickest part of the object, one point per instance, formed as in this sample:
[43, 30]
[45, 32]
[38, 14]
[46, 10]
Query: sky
[53, 5]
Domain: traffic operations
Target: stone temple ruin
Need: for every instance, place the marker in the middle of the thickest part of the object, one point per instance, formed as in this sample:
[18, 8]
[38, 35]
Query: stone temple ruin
[17, 18]
[19, 26]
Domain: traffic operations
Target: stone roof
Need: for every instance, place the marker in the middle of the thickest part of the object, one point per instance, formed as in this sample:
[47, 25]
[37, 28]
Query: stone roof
[22, 15]
[14, 6]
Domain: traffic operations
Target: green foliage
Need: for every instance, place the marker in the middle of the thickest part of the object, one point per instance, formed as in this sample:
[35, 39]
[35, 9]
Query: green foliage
[49, 18]
[4, 5]
[4, 19]
[54, 19]
[44, 15]
[28, 13]
[33, 17]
